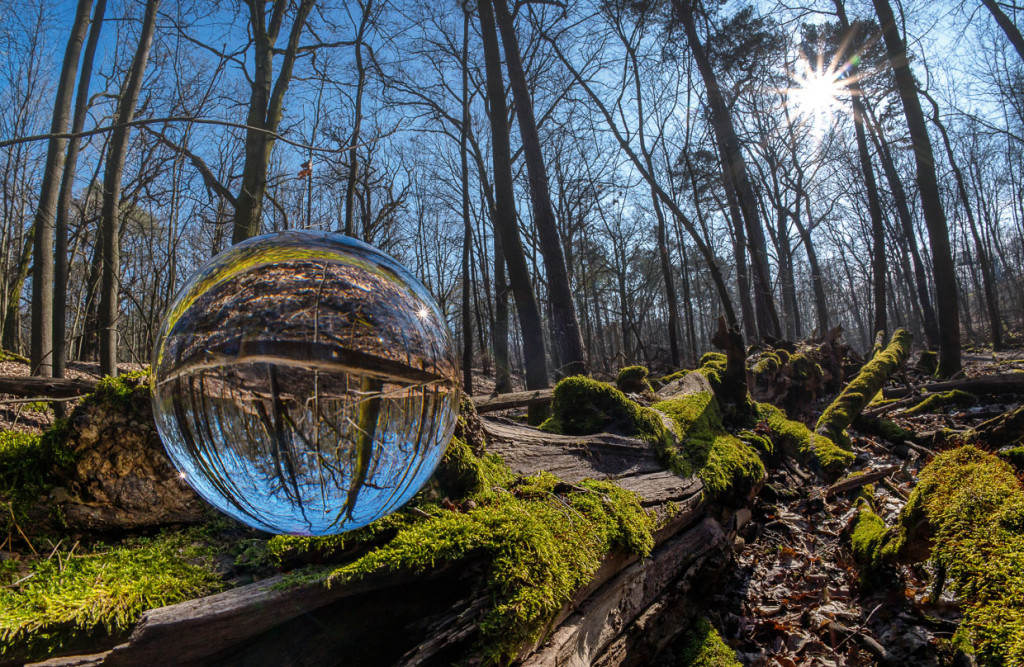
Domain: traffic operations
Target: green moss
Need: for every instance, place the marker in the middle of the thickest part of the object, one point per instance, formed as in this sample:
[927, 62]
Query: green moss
[1015, 457]
[460, 472]
[541, 539]
[862, 389]
[766, 364]
[7, 355]
[29, 465]
[799, 440]
[633, 380]
[934, 402]
[868, 536]
[703, 647]
[672, 377]
[75, 596]
[726, 464]
[581, 406]
[712, 359]
[973, 506]
[883, 428]
[118, 391]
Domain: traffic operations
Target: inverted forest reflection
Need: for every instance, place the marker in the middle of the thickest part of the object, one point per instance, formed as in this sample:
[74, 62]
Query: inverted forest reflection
[305, 383]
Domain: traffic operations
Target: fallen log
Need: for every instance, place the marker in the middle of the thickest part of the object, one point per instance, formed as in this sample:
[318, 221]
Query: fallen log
[37, 387]
[858, 480]
[518, 399]
[988, 385]
[433, 617]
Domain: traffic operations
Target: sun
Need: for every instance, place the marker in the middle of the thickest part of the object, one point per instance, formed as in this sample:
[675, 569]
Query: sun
[816, 88]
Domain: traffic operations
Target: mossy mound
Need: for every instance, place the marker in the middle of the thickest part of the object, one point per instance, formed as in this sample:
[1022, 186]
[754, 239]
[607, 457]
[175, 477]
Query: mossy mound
[867, 540]
[863, 388]
[702, 646]
[969, 507]
[633, 380]
[54, 604]
[800, 441]
[935, 402]
[582, 405]
[727, 465]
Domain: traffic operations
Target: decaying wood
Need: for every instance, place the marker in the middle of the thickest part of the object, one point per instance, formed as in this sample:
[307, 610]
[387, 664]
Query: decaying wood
[859, 480]
[986, 384]
[518, 399]
[38, 387]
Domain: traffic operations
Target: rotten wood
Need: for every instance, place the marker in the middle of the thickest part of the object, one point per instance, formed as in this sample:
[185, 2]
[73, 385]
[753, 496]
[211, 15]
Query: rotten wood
[856, 481]
[518, 399]
[987, 384]
[42, 388]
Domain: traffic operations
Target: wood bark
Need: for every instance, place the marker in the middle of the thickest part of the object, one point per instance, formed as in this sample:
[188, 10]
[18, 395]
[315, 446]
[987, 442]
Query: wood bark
[41, 347]
[505, 212]
[266, 104]
[565, 324]
[735, 175]
[943, 268]
[61, 259]
[110, 221]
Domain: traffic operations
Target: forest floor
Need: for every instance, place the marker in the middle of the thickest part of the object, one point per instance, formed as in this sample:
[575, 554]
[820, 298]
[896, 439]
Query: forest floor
[795, 595]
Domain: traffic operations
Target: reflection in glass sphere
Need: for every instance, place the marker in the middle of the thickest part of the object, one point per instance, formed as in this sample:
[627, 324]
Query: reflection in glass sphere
[305, 383]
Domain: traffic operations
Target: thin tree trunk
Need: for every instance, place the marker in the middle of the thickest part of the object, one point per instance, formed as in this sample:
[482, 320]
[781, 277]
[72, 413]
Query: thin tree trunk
[61, 259]
[735, 175]
[931, 201]
[987, 274]
[266, 103]
[111, 215]
[12, 318]
[41, 354]
[504, 210]
[357, 123]
[565, 325]
[1008, 26]
[899, 195]
[467, 239]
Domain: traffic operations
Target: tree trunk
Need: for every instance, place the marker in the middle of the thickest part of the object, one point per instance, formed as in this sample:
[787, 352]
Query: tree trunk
[467, 238]
[879, 267]
[111, 215]
[505, 212]
[12, 318]
[1008, 26]
[266, 103]
[735, 176]
[987, 274]
[41, 355]
[61, 259]
[565, 325]
[931, 201]
[357, 123]
[899, 195]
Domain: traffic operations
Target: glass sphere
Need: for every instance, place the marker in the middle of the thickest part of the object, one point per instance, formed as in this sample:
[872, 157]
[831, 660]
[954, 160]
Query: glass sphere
[305, 383]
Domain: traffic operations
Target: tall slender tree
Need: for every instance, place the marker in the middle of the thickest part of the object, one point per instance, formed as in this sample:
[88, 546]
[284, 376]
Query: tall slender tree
[565, 325]
[504, 212]
[41, 355]
[931, 201]
[111, 213]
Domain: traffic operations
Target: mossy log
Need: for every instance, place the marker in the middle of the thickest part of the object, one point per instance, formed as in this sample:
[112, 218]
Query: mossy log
[859, 392]
[433, 616]
[985, 385]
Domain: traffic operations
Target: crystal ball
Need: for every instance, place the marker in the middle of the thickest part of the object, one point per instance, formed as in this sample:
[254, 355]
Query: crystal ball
[305, 383]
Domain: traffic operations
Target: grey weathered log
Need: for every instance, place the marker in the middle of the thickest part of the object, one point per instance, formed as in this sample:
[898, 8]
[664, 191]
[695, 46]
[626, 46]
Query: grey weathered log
[518, 399]
[986, 384]
[39, 387]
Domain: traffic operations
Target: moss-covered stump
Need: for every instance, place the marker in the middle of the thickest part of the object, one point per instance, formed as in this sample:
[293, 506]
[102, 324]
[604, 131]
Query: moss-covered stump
[967, 515]
[121, 479]
[633, 380]
[864, 387]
